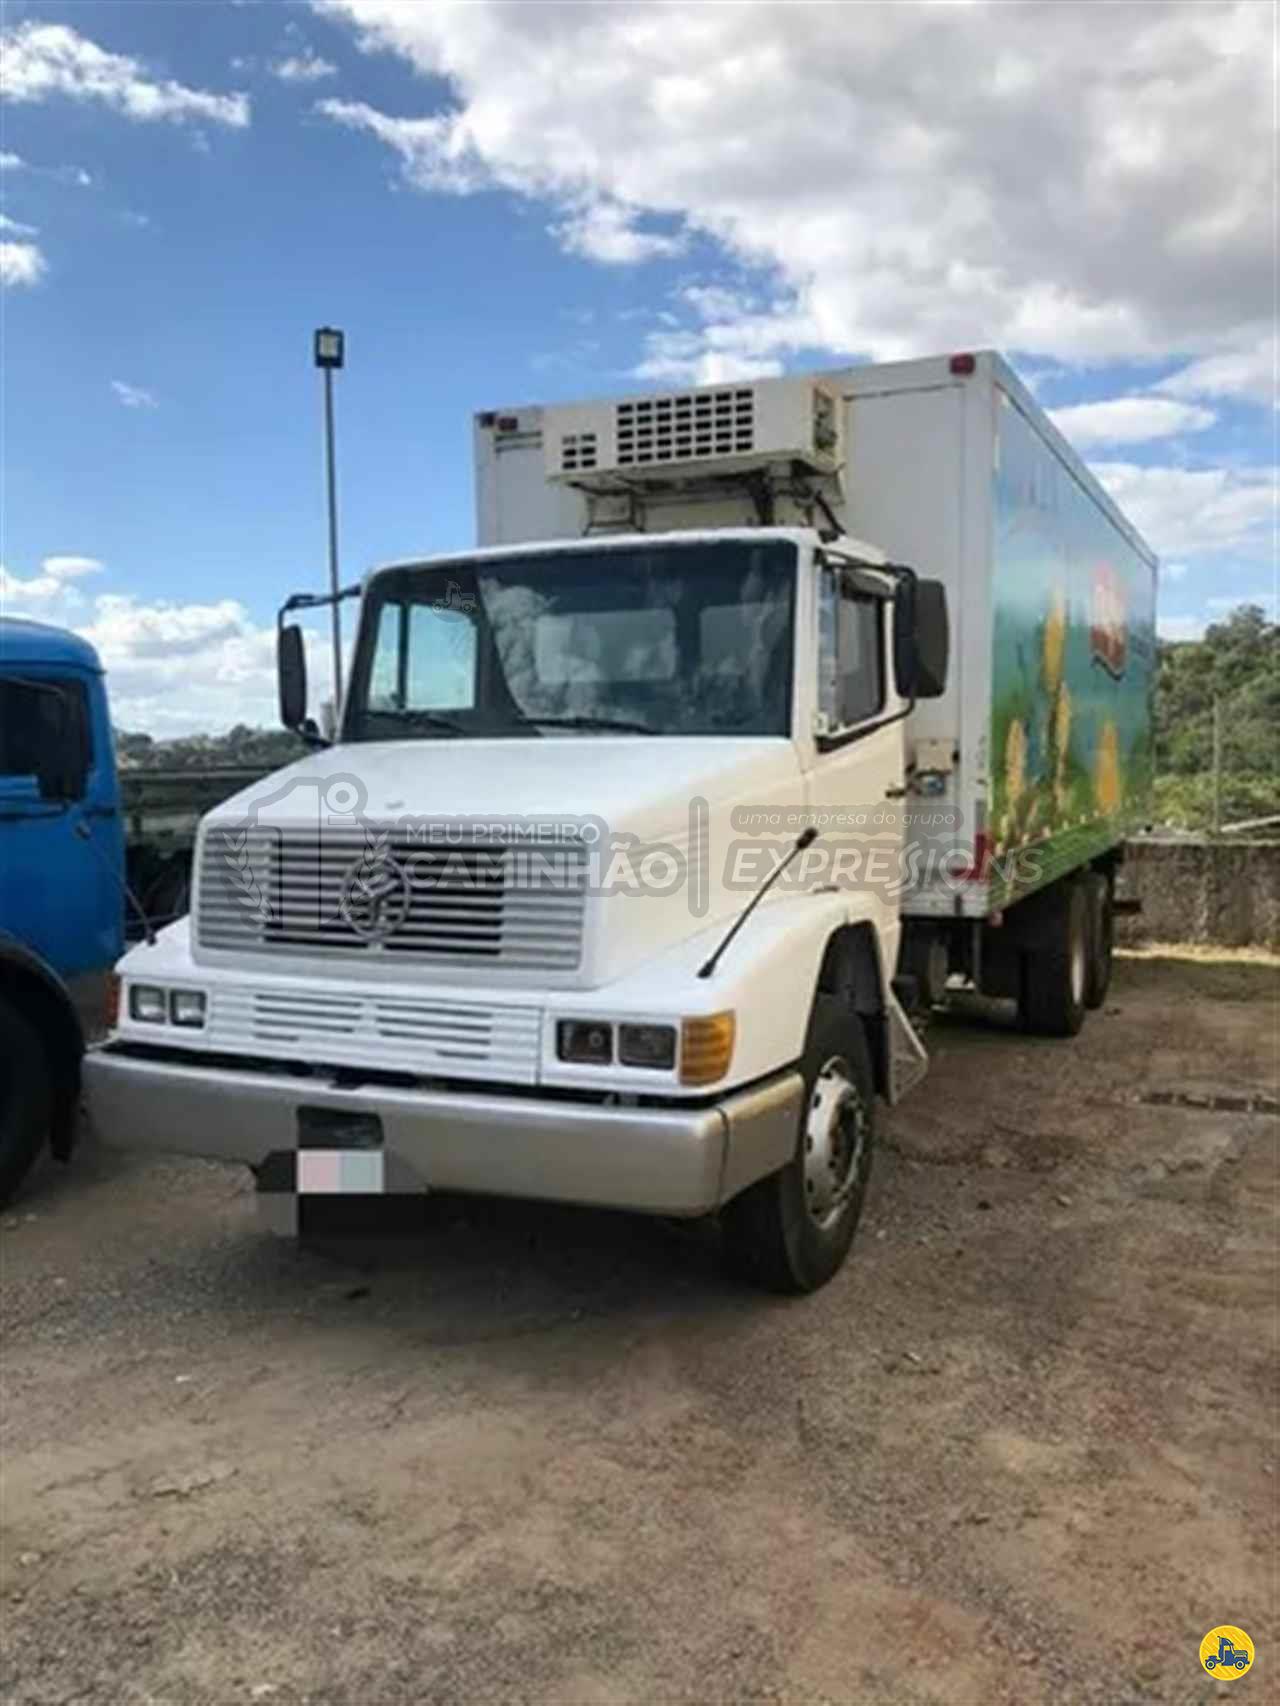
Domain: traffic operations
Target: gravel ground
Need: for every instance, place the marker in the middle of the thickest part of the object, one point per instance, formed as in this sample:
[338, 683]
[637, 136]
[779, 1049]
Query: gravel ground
[1021, 1450]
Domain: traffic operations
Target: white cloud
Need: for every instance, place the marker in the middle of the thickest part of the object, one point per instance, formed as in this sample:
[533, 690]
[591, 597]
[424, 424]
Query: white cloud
[21, 263]
[1173, 571]
[50, 592]
[16, 228]
[1249, 374]
[42, 60]
[134, 396]
[1180, 627]
[304, 67]
[10, 162]
[70, 568]
[1129, 420]
[182, 668]
[604, 231]
[1187, 512]
[435, 153]
[1266, 601]
[172, 668]
[735, 339]
[684, 358]
[910, 178]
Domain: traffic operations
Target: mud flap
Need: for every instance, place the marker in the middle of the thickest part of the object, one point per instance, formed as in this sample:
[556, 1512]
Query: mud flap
[908, 1057]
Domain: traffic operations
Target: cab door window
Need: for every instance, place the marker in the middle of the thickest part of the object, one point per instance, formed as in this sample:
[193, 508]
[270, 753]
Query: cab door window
[851, 674]
[31, 713]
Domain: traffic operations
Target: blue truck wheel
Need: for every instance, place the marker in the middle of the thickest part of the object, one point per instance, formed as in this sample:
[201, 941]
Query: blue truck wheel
[26, 1098]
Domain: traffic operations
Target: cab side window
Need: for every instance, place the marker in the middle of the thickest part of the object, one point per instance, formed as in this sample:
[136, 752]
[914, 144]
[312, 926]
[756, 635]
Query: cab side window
[851, 652]
[30, 716]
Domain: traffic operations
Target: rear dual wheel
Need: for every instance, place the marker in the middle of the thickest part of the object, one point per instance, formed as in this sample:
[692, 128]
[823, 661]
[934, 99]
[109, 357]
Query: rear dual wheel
[1068, 972]
[1054, 975]
[1100, 898]
[791, 1231]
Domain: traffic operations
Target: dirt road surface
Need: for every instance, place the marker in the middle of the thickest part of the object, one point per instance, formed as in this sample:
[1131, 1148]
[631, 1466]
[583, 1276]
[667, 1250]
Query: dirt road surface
[1022, 1450]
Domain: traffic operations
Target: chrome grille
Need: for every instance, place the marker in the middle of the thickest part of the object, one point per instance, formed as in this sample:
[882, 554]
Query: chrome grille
[457, 1039]
[468, 903]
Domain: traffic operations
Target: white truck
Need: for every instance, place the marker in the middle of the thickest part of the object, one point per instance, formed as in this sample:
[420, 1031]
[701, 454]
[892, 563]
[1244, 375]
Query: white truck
[655, 823]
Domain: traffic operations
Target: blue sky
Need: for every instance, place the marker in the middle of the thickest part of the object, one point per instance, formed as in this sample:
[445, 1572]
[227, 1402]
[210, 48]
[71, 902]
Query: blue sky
[504, 203]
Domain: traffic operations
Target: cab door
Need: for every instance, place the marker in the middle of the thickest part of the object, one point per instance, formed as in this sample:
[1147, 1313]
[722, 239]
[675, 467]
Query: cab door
[856, 778]
[60, 859]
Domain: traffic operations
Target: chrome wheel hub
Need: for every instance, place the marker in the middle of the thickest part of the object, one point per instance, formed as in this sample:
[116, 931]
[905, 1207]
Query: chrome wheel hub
[835, 1133]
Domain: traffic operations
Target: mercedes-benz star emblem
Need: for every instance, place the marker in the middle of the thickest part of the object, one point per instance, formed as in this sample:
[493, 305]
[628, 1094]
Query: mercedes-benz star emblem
[374, 897]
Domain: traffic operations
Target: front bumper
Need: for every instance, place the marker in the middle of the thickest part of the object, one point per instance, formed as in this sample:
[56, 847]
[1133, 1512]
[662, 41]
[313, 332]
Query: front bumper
[667, 1160]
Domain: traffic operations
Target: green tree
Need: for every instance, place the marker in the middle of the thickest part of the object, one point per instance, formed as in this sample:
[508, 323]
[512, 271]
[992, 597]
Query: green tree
[1238, 663]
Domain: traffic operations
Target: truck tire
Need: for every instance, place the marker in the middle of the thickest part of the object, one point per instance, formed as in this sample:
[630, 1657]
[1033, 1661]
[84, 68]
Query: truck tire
[1054, 974]
[1101, 938]
[26, 1098]
[790, 1232]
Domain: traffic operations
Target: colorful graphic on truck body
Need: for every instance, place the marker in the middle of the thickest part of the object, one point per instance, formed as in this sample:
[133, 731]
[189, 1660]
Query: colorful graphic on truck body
[1073, 606]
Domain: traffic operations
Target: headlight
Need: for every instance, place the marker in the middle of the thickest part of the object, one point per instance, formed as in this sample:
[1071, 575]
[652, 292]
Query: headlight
[148, 1003]
[647, 1045]
[585, 1042]
[187, 1007]
[706, 1048]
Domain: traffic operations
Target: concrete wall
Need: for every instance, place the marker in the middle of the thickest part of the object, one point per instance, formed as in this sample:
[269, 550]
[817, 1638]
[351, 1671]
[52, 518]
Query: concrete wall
[1226, 892]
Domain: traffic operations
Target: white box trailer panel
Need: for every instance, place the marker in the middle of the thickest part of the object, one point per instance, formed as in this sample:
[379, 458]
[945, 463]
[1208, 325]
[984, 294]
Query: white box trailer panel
[1041, 748]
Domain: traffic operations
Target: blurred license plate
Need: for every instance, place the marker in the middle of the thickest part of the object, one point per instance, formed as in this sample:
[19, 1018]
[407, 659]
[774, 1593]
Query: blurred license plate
[341, 1172]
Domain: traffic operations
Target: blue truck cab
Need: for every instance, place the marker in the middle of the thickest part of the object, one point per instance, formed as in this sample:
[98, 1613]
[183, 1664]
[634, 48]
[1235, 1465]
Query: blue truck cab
[61, 883]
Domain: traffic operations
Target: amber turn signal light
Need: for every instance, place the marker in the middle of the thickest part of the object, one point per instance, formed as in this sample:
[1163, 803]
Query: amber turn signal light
[706, 1048]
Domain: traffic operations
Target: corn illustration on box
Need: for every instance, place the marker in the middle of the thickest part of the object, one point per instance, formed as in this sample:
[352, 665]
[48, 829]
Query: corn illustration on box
[1073, 661]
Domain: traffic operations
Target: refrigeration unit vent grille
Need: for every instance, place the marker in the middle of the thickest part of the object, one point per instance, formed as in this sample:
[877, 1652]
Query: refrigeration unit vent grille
[578, 452]
[713, 433]
[685, 426]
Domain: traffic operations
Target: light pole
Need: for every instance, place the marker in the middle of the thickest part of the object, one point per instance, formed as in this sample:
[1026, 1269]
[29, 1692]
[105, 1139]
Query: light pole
[330, 350]
[1217, 764]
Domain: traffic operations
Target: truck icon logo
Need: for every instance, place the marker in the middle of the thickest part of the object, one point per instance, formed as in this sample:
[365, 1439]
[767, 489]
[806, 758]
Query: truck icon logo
[1226, 1651]
[375, 895]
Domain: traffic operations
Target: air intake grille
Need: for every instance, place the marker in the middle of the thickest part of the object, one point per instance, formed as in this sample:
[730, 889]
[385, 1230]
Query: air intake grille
[296, 891]
[343, 1027]
[685, 427]
[578, 452]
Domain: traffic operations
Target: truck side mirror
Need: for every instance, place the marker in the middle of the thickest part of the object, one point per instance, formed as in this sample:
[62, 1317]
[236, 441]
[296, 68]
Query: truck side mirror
[933, 639]
[291, 675]
[921, 638]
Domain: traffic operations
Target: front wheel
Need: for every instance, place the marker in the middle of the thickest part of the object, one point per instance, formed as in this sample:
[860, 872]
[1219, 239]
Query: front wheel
[26, 1098]
[791, 1231]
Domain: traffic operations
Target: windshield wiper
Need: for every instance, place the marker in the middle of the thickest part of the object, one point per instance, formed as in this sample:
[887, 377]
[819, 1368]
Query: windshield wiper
[430, 719]
[619, 723]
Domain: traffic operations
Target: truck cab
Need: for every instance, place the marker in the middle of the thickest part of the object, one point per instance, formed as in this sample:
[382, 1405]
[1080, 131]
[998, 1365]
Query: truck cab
[481, 943]
[61, 864]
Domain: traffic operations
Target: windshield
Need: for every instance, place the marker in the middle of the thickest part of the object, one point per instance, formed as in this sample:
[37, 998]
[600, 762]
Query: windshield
[656, 639]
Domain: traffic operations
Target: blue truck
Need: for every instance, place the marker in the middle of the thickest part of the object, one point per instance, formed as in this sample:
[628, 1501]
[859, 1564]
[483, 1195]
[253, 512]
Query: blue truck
[88, 856]
[61, 884]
